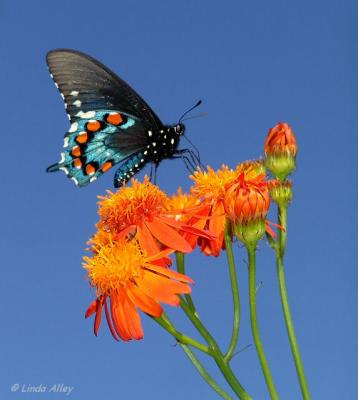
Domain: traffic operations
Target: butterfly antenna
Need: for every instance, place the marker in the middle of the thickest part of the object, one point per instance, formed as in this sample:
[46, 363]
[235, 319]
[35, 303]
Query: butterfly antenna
[190, 109]
[204, 114]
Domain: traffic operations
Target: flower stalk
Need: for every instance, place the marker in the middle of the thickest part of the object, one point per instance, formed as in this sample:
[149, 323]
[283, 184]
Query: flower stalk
[217, 355]
[251, 251]
[235, 292]
[180, 263]
[205, 375]
[280, 252]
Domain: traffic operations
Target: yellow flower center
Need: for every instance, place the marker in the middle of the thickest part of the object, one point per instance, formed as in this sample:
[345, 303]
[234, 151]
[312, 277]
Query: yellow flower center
[210, 183]
[114, 265]
[131, 205]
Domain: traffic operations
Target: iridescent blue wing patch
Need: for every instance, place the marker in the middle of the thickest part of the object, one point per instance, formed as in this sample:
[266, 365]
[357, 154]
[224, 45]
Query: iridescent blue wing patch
[96, 141]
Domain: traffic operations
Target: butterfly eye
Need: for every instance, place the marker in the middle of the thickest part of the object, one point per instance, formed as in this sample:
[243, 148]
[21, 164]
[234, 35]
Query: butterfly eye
[179, 129]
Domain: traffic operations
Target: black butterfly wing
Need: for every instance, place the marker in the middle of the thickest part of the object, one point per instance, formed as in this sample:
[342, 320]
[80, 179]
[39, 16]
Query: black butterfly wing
[86, 85]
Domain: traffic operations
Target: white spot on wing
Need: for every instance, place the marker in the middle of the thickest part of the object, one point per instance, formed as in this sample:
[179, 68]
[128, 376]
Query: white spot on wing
[150, 133]
[79, 114]
[88, 114]
[63, 97]
[64, 169]
[77, 103]
[74, 93]
[172, 141]
[62, 158]
[74, 127]
[74, 180]
[93, 179]
[146, 152]
[56, 84]
[154, 144]
[65, 141]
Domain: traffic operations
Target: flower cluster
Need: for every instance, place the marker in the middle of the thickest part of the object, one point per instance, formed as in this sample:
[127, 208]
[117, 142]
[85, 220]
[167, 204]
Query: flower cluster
[140, 226]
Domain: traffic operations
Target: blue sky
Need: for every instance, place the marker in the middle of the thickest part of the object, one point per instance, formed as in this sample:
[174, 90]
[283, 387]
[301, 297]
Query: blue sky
[253, 64]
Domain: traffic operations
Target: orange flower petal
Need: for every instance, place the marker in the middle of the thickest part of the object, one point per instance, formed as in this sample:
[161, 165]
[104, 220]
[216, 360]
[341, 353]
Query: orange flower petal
[146, 240]
[128, 231]
[161, 288]
[187, 228]
[91, 309]
[168, 236]
[161, 254]
[170, 274]
[109, 321]
[97, 320]
[132, 317]
[119, 319]
[144, 302]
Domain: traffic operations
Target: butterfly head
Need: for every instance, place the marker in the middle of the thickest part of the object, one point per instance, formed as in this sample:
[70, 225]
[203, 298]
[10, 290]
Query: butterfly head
[179, 129]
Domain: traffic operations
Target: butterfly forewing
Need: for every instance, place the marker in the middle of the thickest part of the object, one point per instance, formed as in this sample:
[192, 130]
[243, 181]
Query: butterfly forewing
[88, 85]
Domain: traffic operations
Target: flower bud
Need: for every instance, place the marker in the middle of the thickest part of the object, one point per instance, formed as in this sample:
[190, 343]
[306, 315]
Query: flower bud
[247, 202]
[280, 151]
[280, 191]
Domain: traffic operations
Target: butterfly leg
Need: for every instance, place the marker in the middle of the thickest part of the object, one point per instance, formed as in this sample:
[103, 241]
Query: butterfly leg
[189, 158]
[155, 173]
[188, 162]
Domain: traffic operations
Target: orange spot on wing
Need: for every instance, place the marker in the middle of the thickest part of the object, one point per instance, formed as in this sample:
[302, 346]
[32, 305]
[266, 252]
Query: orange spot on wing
[82, 138]
[93, 126]
[114, 119]
[76, 151]
[90, 169]
[77, 163]
[106, 166]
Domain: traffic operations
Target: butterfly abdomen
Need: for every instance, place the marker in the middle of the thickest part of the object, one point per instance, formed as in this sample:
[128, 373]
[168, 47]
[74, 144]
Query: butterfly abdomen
[129, 168]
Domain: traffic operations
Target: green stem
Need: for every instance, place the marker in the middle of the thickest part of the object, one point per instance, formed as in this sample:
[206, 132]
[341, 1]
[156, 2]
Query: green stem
[165, 323]
[216, 353]
[282, 233]
[280, 251]
[235, 293]
[254, 325]
[179, 257]
[202, 371]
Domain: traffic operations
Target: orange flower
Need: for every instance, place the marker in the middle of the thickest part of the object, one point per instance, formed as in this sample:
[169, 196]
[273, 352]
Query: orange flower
[123, 273]
[190, 210]
[281, 150]
[247, 197]
[210, 187]
[247, 202]
[140, 210]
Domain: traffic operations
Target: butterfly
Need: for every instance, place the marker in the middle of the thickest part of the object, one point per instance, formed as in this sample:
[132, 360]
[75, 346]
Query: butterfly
[110, 123]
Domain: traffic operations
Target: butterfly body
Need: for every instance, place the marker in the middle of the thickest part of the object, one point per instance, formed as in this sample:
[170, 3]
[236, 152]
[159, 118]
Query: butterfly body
[110, 122]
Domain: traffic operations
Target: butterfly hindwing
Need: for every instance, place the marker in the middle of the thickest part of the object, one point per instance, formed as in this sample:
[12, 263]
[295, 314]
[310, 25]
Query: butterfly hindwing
[98, 140]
